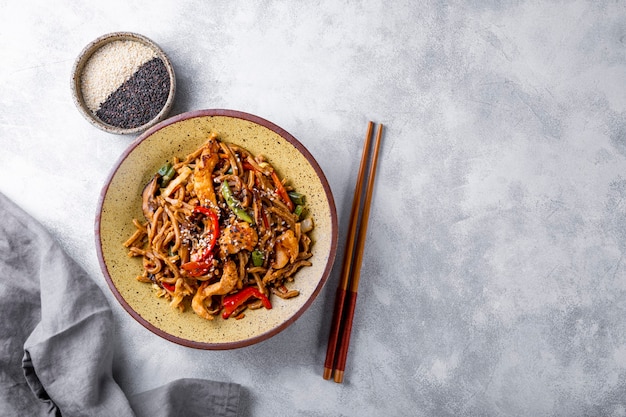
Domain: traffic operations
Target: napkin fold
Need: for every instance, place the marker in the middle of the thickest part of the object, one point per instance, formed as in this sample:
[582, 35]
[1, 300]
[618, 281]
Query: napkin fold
[56, 358]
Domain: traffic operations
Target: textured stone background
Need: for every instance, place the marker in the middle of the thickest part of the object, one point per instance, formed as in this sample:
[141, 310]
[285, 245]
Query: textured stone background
[493, 281]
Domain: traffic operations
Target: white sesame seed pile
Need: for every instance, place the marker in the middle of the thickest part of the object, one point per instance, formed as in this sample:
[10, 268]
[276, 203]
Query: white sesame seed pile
[109, 67]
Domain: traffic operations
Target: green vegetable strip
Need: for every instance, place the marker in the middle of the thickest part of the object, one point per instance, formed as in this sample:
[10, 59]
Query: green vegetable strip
[258, 257]
[298, 210]
[297, 198]
[234, 204]
[167, 172]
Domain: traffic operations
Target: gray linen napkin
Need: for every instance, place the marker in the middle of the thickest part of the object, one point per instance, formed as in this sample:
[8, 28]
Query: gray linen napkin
[55, 332]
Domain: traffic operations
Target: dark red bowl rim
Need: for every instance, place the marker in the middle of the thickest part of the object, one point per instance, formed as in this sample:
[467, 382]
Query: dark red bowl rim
[285, 135]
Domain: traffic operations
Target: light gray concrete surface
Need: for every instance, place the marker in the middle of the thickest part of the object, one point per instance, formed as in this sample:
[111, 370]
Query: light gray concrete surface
[493, 281]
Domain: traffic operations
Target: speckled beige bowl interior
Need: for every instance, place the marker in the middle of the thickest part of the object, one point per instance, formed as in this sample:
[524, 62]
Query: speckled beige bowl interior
[120, 202]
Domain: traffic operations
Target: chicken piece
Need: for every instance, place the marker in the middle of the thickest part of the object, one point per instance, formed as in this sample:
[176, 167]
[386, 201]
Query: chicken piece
[286, 249]
[236, 237]
[203, 172]
[198, 302]
[226, 284]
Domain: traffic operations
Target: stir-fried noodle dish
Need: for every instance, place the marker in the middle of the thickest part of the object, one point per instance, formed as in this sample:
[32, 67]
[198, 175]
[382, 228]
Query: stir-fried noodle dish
[222, 232]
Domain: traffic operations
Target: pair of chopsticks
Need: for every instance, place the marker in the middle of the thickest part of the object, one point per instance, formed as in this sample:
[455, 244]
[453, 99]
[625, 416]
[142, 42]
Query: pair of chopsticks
[345, 301]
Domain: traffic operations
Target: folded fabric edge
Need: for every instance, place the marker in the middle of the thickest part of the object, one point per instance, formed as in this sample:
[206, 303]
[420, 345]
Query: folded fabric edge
[189, 396]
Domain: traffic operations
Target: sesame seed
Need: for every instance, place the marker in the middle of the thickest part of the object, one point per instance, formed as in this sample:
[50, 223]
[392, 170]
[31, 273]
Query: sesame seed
[109, 67]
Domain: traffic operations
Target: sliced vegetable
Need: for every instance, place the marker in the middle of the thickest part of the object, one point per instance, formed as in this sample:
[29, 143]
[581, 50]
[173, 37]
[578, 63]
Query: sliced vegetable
[306, 225]
[282, 192]
[198, 268]
[149, 204]
[251, 165]
[298, 210]
[202, 262]
[266, 221]
[166, 172]
[163, 170]
[233, 301]
[248, 166]
[234, 204]
[258, 257]
[215, 224]
[179, 178]
[168, 286]
[296, 197]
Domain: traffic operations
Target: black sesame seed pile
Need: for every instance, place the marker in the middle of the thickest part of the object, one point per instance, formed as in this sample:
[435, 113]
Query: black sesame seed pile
[139, 99]
[125, 84]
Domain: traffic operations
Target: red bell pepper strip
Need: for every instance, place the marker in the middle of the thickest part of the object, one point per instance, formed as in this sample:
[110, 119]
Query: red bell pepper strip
[198, 268]
[266, 222]
[280, 189]
[168, 286]
[248, 166]
[231, 302]
[215, 224]
[201, 264]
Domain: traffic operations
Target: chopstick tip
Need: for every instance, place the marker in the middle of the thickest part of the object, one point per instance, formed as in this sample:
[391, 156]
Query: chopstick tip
[328, 372]
[338, 376]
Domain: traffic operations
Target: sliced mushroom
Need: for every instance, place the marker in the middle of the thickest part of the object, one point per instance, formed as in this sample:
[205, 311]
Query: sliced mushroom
[148, 204]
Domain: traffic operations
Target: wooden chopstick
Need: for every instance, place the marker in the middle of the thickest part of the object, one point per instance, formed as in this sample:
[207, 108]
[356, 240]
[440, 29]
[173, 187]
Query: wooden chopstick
[345, 302]
[351, 295]
[340, 297]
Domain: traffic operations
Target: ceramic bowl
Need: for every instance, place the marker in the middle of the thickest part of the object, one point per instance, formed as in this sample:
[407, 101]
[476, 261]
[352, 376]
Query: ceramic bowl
[116, 65]
[120, 202]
